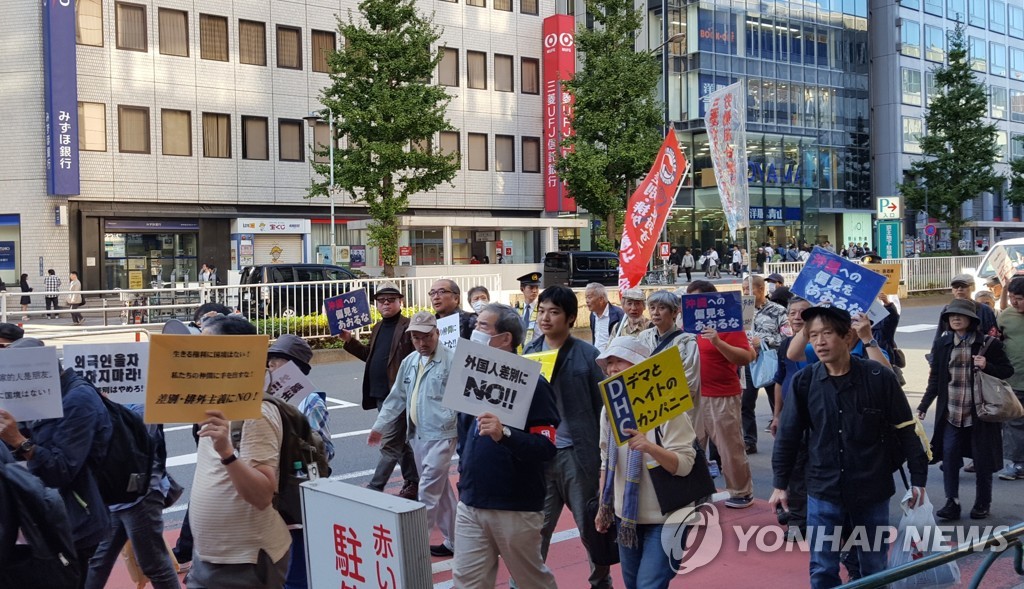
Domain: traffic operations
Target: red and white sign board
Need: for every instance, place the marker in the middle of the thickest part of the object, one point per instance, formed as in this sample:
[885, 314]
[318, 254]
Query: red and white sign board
[664, 250]
[405, 255]
[559, 38]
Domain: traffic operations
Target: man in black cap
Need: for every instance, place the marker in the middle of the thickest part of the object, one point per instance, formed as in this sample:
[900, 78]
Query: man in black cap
[389, 344]
[10, 333]
[529, 285]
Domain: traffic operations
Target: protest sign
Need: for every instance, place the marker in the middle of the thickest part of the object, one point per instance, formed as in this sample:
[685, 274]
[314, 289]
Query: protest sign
[30, 383]
[289, 384]
[347, 311]
[749, 310]
[893, 275]
[647, 395]
[547, 361]
[485, 379]
[1005, 263]
[117, 370]
[847, 285]
[448, 327]
[721, 310]
[190, 375]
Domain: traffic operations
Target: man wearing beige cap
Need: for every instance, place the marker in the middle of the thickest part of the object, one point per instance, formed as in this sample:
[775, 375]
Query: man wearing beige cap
[432, 432]
[962, 286]
[634, 303]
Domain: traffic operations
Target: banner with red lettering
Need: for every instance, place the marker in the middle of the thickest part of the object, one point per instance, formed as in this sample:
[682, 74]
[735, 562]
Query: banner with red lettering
[647, 211]
[725, 117]
[559, 32]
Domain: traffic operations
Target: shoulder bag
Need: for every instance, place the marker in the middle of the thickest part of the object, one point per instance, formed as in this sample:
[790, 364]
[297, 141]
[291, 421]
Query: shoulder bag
[675, 492]
[994, 399]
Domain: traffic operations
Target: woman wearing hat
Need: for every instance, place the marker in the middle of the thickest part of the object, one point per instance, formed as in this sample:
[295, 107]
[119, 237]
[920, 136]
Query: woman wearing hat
[627, 493]
[958, 431]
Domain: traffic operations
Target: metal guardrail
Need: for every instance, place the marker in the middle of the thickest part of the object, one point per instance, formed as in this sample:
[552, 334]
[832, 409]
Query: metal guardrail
[919, 274]
[999, 542]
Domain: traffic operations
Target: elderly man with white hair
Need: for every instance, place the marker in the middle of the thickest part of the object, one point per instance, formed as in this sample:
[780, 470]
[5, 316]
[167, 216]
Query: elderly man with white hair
[603, 314]
[663, 306]
[633, 321]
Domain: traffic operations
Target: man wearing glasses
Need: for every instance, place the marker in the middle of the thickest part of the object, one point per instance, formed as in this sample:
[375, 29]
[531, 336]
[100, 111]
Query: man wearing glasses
[389, 344]
[445, 296]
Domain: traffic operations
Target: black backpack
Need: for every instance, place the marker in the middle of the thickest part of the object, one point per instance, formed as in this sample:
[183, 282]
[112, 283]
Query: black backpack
[47, 559]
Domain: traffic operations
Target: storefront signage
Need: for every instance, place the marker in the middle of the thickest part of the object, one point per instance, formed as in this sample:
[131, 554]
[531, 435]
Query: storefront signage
[716, 32]
[274, 225]
[559, 37]
[405, 255]
[774, 214]
[141, 225]
[61, 98]
[7, 259]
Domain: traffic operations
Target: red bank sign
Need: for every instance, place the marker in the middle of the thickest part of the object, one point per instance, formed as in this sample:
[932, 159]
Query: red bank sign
[559, 64]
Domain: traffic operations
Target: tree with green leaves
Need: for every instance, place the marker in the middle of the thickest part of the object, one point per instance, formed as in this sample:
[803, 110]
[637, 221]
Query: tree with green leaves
[617, 119]
[388, 112]
[959, 151]
[1016, 193]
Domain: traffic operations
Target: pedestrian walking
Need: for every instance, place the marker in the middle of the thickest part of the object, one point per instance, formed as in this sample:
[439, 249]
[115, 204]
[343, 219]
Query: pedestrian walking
[687, 264]
[75, 298]
[26, 300]
[1011, 323]
[51, 284]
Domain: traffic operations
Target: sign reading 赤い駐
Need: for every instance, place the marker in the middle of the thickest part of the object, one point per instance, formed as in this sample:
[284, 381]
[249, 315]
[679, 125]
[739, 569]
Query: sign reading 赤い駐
[347, 311]
[846, 285]
[647, 395]
[486, 379]
[30, 383]
[116, 370]
[190, 375]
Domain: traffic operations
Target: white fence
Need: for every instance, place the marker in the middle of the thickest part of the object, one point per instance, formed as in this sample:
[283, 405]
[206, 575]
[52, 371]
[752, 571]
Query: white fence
[919, 274]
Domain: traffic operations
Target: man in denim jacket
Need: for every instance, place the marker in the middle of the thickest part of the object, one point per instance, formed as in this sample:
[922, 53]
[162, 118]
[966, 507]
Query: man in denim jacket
[418, 391]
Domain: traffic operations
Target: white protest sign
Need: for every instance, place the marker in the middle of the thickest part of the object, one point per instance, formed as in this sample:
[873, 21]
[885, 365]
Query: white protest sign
[486, 379]
[289, 384]
[118, 370]
[449, 330]
[30, 383]
[749, 310]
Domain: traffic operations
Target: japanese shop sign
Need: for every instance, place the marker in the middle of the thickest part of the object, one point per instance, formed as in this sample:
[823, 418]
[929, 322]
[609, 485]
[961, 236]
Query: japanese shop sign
[30, 383]
[647, 211]
[647, 395]
[60, 74]
[117, 370]
[847, 285]
[486, 379]
[347, 311]
[288, 384]
[893, 274]
[7, 259]
[726, 118]
[722, 311]
[190, 375]
[448, 327]
[559, 34]
[547, 361]
[360, 539]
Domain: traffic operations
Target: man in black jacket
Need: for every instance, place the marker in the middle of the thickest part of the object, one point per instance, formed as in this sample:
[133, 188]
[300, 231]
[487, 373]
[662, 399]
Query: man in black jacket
[850, 410]
[501, 478]
[446, 298]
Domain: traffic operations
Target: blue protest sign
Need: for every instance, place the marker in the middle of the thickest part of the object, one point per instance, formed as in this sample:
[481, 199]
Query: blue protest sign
[847, 285]
[720, 310]
[349, 311]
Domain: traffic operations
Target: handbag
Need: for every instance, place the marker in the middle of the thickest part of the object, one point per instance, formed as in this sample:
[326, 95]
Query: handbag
[994, 399]
[762, 370]
[602, 547]
[675, 492]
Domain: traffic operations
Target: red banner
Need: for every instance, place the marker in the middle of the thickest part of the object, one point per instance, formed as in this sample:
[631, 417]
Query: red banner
[559, 33]
[647, 211]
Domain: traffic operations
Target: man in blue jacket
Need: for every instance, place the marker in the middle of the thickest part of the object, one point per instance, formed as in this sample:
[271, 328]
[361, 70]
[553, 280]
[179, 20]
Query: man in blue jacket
[501, 477]
[573, 475]
[59, 451]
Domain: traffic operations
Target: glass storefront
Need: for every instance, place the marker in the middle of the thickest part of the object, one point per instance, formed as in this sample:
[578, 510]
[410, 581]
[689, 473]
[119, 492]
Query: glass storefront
[141, 254]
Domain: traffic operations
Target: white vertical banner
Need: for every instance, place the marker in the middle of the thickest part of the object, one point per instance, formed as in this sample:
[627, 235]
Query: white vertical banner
[725, 116]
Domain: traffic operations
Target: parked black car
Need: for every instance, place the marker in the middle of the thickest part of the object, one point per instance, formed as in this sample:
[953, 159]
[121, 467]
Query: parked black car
[278, 290]
[580, 268]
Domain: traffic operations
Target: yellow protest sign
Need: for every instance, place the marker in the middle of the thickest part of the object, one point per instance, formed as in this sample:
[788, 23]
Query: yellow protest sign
[893, 274]
[647, 395]
[547, 361]
[190, 375]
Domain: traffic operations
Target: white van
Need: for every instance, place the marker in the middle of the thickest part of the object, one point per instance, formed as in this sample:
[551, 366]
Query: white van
[1010, 248]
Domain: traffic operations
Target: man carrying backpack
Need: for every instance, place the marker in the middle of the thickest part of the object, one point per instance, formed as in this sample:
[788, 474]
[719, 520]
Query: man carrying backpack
[59, 452]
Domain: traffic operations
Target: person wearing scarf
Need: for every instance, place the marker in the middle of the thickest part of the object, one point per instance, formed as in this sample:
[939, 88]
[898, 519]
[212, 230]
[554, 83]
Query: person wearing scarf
[627, 496]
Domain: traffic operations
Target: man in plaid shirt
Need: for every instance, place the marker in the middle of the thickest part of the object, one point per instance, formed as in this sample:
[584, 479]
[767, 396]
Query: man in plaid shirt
[52, 285]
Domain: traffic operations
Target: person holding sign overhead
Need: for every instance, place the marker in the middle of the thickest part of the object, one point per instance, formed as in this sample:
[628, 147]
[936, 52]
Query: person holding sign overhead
[417, 393]
[529, 285]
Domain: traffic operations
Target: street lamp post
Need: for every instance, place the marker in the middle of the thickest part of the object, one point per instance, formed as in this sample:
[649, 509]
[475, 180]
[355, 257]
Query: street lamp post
[312, 120]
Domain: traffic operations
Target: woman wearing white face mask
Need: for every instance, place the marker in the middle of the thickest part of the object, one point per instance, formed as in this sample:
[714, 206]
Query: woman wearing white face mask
[478, 298]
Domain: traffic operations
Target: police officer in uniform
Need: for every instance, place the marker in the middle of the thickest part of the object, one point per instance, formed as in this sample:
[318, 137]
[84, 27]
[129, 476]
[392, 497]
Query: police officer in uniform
[529, 285]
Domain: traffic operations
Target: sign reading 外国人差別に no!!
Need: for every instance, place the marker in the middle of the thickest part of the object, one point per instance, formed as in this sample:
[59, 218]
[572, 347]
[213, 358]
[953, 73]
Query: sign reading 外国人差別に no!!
[488, 380]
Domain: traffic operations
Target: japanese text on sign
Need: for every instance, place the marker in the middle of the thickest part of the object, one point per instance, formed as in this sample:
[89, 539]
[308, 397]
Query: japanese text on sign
[347, 311]
[289, 384]
[893, 274]
[722, 311]
[448, 328]
[30, 383]
[486, 379]
[647, 395]
[845, 284]
[116, 370]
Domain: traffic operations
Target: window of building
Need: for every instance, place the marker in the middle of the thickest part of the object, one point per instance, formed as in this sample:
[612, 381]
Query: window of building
[1017, 106]
[997, 59]
[289, 48]
[997, 102]
[478, 156]
[176, 132]
[528, 6]
[934, 44]
[89, 22]
[530, 76]
[976, 18]
[213, 37]
[997, 16]
[1001, 145]
[1016, 146]
[911, 86]
[504, 5]
[252, 42]
[1016, 18]
[531, 155]
[480, 3]
[133, 129]
[216, 135]
[910, 37]
[1016, 63]
[956, 10]
[321, 142]
[449, 143]
[977, 51]
[323, 46]
[92, 126]
[913, 129]
[289, 135]
[173, 32]
[912, 4]
[933, 7]
[503, 75]
[130, 24]
[254, 138]
[504, 153]
[476, 70]
[930, 89]
[448, 68]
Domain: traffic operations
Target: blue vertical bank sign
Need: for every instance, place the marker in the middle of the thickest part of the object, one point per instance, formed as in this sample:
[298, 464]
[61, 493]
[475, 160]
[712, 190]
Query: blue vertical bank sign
[62, 173]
